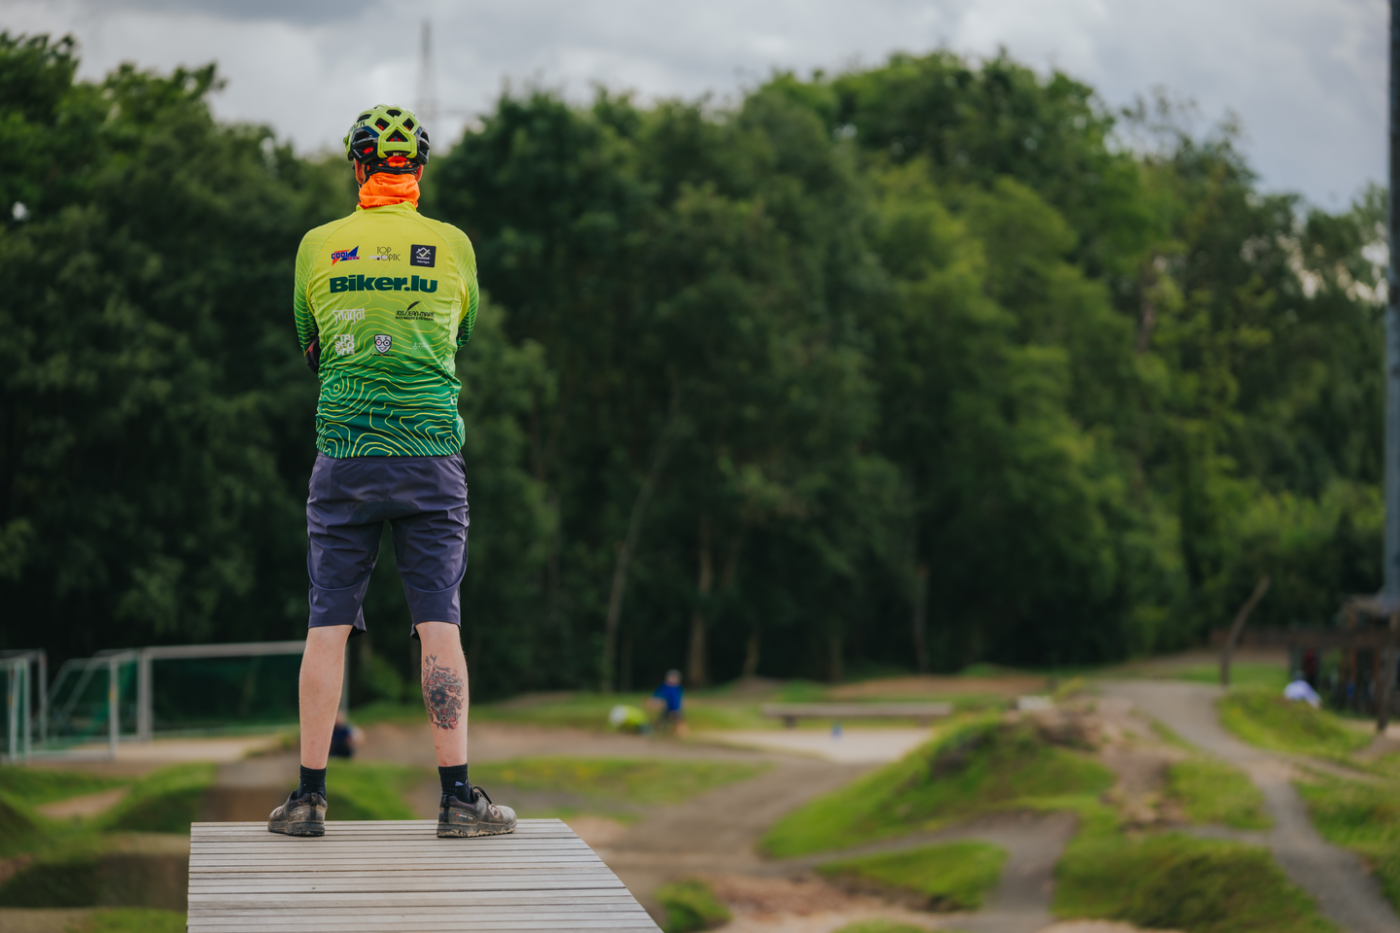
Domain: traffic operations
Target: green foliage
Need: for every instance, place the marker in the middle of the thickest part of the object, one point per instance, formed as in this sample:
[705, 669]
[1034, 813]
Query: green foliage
[164, 801]
[1268, 720]
[1364, 818]
[982, 765]
[1213, 792]
[868, 340]
[36, 786]
[1178, 882]
[649, 781]
[691, 905]
[952, 876]
[371, 790]
[132, 920]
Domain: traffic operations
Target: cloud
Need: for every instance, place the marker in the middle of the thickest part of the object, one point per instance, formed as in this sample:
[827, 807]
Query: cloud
[299, 11]
[1306, 77]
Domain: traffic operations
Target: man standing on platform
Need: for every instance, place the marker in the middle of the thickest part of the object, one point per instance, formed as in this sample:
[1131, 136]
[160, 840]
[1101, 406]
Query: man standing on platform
[384, 298]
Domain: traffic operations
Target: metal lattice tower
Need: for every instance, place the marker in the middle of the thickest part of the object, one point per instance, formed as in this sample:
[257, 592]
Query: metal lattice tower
[427, 105]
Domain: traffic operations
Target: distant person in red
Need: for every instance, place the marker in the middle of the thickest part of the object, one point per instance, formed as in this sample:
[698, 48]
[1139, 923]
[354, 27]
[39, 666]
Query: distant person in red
[667, 699]
[1310, 667]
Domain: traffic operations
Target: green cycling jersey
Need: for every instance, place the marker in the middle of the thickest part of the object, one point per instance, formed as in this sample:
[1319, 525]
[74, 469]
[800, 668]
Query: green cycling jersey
[384, 298]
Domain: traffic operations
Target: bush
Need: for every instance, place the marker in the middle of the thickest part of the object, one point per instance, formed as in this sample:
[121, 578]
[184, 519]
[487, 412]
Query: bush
[691, 905]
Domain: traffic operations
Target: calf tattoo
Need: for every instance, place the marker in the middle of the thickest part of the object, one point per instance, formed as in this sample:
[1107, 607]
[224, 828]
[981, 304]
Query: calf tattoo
[443, 693]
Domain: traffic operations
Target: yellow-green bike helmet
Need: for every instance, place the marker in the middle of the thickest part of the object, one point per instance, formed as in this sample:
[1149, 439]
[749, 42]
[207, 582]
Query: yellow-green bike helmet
[387, 139]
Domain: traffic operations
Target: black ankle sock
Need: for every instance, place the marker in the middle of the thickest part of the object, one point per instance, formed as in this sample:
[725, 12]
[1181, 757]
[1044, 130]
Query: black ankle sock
[454, 781]
[313, 781]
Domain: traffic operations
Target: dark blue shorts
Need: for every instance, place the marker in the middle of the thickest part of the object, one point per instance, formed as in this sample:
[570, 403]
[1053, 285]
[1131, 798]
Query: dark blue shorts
[424, 500]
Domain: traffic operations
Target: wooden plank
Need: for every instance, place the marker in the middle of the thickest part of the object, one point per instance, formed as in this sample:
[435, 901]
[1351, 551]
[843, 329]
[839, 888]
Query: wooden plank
[602, 895]
[406, 925]
[368, 877]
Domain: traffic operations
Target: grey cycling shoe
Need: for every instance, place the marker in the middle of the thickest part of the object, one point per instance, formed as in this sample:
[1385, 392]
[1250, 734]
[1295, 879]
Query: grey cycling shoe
[300, 816]
[479, 817]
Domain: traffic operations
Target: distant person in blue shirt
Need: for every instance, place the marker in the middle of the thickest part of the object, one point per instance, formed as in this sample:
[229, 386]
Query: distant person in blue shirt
[667, 699]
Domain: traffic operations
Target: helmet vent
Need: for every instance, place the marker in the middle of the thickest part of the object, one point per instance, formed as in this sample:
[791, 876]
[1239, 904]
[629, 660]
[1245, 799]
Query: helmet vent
[395, 113]
[382, 124]
[408, 124]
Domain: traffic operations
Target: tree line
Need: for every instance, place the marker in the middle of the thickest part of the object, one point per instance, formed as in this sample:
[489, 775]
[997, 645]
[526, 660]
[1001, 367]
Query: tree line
[905, 367]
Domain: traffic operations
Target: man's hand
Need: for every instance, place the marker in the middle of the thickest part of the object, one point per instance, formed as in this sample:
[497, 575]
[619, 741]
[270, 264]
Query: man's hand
[313, 355]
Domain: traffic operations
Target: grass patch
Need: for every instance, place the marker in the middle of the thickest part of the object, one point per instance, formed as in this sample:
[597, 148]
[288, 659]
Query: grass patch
[955, 876]
[73, 879]
[882, 926]
[1267, 720]
[691, 905]
[1249, 675]
[1361, 817]
[164, 801]
[981, 765]
[35, 786]
[1211, 791]
[18, 829]
[1177, 882]
[131, 920]
[647, 782]
[371, 790]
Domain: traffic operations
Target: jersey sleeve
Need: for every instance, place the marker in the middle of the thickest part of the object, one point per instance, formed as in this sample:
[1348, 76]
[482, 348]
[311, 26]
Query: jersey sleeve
[307, 335]
[472, 297]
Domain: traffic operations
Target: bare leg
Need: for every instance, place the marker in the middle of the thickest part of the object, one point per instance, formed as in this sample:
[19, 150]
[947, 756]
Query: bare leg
[322, 667]
[445, 690]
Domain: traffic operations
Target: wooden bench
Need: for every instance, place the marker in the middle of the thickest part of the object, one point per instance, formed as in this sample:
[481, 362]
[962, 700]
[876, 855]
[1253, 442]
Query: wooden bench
[396, 875]
[789, 713]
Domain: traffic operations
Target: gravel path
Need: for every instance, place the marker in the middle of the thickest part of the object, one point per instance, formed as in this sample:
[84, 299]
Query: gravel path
[1346, 894]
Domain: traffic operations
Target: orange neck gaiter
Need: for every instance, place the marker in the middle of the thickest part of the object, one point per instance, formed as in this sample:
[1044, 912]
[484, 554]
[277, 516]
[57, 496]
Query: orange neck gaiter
[383, 189]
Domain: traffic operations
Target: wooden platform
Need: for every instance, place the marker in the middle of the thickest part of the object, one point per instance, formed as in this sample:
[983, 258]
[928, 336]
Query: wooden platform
[397, 876]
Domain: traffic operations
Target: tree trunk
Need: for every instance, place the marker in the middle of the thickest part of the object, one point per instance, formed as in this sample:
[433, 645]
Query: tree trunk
[835, 670]
[751, 654]
[625, 674]
[696, 672]
[920, 620]
[627, 547]
[1237, 627]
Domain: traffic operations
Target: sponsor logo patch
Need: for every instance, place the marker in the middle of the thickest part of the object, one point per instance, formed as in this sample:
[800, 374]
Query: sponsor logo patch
[347, 315]
[382, 342]
[382, 283]
[385, 254]
[345, 344]
[345, 255]
[422, 255]
[414, 313]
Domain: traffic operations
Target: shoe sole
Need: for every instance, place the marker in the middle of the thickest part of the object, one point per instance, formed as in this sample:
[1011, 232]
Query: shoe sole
[298, 829]
[453, 832]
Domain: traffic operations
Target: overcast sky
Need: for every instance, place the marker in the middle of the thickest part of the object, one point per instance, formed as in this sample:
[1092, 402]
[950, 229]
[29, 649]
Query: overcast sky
[1307, 78]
